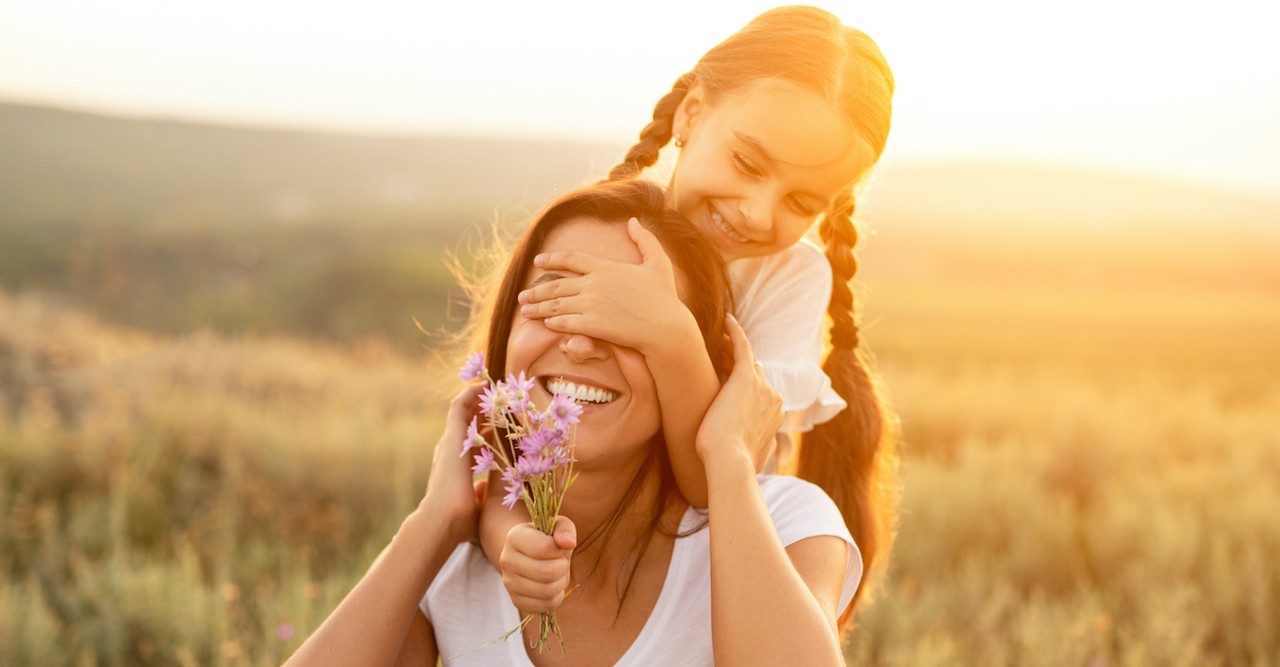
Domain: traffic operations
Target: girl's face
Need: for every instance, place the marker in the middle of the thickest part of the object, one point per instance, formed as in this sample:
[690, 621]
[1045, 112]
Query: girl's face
[613, 384]
[760, 164]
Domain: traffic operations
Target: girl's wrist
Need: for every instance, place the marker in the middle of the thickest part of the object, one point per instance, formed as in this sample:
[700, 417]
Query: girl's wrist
[678, 332]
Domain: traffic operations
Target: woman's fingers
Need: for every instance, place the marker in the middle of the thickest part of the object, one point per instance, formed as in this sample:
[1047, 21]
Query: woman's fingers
[535, 566]
[565, 533]
[744, 360]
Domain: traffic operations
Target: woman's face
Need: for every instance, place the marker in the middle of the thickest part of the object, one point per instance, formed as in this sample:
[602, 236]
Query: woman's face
[760, 164]
[613, 384]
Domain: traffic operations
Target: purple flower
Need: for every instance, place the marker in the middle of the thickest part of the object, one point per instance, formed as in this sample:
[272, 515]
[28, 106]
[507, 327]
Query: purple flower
[515, 487]
[560, 456]
[473, 439]
[494, 400]
[536, 441]
[564, 410]
[535, 464]
[518, 388]
[473, 368]
[484, 462]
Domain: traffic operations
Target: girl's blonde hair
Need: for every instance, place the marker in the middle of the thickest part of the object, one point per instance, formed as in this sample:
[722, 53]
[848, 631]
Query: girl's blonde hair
[852, 457]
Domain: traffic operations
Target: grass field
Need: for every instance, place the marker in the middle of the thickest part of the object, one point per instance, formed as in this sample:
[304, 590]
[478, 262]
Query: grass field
[1073, 495]
[215, 410]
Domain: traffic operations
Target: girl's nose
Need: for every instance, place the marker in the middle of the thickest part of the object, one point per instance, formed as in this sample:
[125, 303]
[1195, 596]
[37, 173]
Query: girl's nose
[757, 213]
[581, 348]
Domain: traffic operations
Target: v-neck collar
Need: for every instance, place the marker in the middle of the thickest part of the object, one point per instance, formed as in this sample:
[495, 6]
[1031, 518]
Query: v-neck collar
[662, 608]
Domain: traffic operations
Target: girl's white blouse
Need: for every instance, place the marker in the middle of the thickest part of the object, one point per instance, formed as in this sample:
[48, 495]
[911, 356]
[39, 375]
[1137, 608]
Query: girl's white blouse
[781, 302]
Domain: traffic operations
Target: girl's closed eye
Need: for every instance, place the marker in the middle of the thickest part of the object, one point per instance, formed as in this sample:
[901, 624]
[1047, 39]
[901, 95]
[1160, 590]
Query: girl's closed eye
[745, 166]
[802, 208]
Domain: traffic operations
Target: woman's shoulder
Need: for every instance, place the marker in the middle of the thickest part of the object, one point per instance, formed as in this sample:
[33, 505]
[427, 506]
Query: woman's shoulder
[801, 509]
[784, 490]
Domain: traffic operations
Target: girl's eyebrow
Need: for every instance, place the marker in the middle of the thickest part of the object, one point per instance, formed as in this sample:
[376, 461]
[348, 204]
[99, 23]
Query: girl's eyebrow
[764, 153]
[755, 145]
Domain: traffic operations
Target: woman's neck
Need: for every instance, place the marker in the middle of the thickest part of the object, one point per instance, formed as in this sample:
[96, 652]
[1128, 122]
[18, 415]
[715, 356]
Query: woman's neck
[623, 503]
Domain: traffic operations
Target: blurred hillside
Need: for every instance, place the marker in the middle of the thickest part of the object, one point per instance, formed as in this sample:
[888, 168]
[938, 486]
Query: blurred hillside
[174, 226]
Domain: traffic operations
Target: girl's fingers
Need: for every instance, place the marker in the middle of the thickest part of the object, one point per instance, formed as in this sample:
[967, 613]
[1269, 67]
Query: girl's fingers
[573, 323]
[651, 249]
[551, 289]
[557, 306]
[570, 260]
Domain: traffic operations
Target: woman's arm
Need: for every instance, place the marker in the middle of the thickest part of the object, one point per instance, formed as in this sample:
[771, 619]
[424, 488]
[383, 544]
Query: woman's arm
[372, 624]
[769, 605]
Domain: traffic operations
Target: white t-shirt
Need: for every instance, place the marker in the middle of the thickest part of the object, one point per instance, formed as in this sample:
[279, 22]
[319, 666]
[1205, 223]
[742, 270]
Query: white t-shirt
[781, 304]
[469, 607]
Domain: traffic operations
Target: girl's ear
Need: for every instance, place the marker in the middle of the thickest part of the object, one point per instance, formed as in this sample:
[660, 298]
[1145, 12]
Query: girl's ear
[687, 113]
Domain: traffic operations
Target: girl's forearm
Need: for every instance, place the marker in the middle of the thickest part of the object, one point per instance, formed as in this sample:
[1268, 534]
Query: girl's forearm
[370, 625]
[762, 611]
[687, 384]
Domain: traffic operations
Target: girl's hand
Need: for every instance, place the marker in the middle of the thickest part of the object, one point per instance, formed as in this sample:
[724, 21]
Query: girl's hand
[451, 495]
[632, 305]
[535, 566]
[747, 412]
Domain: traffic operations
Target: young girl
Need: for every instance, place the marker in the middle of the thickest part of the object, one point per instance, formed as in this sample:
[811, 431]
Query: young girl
[764, 587]
[775, 126]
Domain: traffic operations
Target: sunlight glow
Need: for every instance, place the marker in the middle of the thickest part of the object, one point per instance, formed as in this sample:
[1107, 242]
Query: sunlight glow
[1167, 88]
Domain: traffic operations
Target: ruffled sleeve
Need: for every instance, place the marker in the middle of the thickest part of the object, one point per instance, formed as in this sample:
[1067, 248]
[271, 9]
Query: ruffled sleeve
[781, 303]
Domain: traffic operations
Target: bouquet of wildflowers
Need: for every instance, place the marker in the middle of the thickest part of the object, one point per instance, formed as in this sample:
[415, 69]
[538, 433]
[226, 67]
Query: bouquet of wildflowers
[541, 444]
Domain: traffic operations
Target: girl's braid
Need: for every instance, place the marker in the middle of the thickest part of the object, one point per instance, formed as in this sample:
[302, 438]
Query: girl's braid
[656, 134]
[840, 236]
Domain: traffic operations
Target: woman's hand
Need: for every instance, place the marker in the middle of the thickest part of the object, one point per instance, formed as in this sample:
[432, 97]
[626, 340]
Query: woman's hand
[632, 305]
[747, 412]
[451, 494]
[535, 566]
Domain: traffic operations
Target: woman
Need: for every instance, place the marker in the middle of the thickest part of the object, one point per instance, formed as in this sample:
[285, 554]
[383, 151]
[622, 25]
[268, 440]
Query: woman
[655, 582]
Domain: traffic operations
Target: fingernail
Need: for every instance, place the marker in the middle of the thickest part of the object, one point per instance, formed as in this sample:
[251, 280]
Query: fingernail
[634, 221]
[539, 259]
[523, 296]
[526, 310]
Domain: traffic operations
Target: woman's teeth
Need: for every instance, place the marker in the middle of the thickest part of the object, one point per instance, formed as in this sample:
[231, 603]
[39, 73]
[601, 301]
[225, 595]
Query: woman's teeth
[724, 227]
[580, 392]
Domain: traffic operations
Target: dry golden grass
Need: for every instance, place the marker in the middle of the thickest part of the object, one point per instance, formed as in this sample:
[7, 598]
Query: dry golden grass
[1088, 480]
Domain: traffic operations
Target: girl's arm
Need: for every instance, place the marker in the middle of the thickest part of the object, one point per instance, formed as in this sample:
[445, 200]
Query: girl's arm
[380, 618]
[638, 306]
[769, 605]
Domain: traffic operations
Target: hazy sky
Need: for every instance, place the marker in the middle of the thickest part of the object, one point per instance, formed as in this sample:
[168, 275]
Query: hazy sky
[1175, 88]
